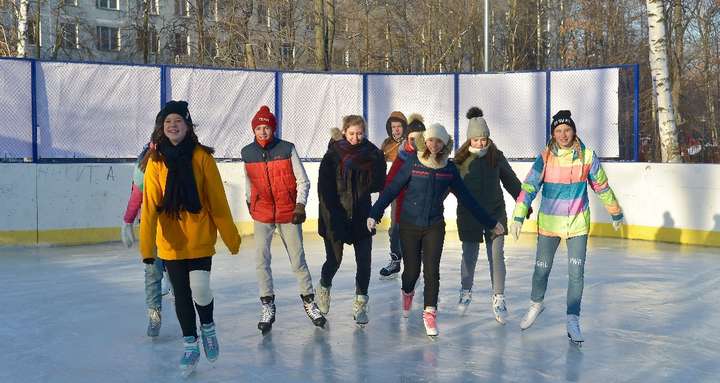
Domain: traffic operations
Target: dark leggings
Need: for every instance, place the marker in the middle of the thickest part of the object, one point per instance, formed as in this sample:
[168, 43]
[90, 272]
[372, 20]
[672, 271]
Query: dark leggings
[333, 258]
[179, 273]
[422, 244]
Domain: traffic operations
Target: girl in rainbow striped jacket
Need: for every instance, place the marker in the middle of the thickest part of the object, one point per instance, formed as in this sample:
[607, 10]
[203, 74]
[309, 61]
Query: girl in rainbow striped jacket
[563, 170]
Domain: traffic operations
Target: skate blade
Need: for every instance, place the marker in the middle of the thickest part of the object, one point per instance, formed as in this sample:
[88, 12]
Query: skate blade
[389, 277]
[576, 343]
[462, 310]
[185, 373]
[501, 321]
[433, 338]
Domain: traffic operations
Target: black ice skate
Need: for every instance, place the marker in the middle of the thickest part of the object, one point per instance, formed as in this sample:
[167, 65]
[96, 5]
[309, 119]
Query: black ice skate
[267, 314]
[312, 310]
[392, 270]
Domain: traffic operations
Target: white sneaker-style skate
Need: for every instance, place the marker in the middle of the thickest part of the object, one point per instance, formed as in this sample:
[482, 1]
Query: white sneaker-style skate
[573, 330]
[464, 300]
[535, 309]
[499, 309]
[360, 310]
[323, 299]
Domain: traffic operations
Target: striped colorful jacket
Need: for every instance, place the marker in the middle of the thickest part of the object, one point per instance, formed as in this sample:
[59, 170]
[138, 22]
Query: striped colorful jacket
[563, 175]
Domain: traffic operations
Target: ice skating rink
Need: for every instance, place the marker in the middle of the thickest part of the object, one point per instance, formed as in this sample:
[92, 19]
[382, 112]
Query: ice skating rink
[651, 313]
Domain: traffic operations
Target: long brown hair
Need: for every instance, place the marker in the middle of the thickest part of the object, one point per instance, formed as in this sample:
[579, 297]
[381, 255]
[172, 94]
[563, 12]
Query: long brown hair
[158, 136]
[463, 153]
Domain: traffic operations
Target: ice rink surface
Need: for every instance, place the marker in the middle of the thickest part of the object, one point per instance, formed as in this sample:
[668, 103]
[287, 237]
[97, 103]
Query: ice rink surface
[651, 313]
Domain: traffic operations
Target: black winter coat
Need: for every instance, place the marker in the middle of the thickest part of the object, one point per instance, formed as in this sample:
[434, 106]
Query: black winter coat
[345, 196]
[483, 181]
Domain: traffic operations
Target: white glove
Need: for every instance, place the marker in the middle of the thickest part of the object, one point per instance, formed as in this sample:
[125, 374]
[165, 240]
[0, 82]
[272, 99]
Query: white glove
[617, 224]
[371, 224]
[499, 229]
[127, 234]
[515, 228]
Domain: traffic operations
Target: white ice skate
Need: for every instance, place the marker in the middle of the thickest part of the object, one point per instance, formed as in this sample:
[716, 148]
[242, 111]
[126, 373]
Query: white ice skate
[464, 301]
[532, 314]
[154, 322]
[323, 299]
[573, 330]
[360, 310]
[499, 309]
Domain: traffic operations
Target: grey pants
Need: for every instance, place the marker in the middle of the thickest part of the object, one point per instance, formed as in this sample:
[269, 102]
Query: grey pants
[291, 236]
[496, 259]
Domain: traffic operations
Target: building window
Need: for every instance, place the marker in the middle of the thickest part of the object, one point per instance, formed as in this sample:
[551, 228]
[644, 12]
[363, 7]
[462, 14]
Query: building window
[153, 41]
[263, 13]
[34, 32]
[108, 39]
[108, 4]
[287, 53]
[182, 8]
[69, 38]
[181, 44]
[211, 47]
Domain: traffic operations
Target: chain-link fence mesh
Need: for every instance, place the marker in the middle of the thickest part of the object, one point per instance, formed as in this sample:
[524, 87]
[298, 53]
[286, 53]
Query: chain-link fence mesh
[592, 97]
[95, 110]
[312, 104]
[222, 104]
[16, 109]
[513, 106]
[105, 111]
[429, 95]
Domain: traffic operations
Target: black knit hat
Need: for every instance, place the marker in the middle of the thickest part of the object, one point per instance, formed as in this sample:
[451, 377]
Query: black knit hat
[562, 117]
[177, 107]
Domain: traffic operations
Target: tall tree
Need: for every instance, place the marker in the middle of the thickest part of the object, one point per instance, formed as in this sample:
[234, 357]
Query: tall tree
[659, 66]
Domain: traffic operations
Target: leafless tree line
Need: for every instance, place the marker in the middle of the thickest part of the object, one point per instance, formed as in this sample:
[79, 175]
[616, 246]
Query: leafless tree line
[424, 36]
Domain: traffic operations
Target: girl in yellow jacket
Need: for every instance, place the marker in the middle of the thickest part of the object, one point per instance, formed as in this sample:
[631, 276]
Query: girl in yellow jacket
[184, 206]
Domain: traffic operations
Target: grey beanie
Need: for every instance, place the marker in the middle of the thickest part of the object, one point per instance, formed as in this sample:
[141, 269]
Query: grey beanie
[477, 127]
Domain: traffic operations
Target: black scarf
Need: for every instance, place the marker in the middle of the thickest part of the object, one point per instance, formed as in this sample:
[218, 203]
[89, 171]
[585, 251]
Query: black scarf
[180, 189]
[359, 157]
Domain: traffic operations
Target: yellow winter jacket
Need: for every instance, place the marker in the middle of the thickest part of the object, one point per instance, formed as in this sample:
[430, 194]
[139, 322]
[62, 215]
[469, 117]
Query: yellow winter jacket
[194, 235]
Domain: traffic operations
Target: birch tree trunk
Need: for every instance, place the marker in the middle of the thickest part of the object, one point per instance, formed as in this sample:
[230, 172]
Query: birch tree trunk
[659, 68]
[22, 28]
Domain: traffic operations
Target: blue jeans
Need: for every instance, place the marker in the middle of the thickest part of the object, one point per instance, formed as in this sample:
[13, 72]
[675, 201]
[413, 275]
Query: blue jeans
[153, 284]
[546, 248]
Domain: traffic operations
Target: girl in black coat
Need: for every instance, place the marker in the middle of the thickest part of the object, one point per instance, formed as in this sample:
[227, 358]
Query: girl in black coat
[352, 168]
[483, 168]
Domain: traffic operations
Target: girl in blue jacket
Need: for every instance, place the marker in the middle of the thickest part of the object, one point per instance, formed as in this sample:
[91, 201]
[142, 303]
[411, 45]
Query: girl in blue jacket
[429, 177]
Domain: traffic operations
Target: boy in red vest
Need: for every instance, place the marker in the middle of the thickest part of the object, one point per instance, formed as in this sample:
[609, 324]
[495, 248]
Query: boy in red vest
[276, 191]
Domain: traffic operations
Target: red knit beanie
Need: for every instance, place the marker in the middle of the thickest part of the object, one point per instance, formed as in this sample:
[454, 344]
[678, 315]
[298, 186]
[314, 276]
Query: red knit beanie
[264, 117]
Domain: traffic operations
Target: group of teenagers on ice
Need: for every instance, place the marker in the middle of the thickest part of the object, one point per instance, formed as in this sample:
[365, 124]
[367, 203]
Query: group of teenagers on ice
[178, 190]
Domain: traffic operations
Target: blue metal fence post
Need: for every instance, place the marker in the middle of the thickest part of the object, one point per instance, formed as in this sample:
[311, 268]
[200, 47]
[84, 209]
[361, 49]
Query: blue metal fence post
[636, 113]
[456, 108]
[365, 100]
[548, 112]
[163, 85]
[278, 104]
[33, 101]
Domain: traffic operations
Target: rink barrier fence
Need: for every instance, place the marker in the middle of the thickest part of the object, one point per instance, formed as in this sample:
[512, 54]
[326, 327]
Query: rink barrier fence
[68, 204]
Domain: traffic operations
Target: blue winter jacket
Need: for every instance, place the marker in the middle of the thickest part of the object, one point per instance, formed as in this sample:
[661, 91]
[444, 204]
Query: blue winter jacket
[427, 188]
